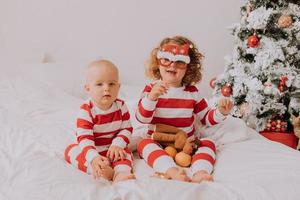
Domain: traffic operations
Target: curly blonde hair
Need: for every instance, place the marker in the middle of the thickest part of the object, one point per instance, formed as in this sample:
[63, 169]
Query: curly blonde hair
[193, 73]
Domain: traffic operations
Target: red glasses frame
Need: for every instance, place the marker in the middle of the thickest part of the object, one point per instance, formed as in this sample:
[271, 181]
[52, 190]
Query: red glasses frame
[165, 62]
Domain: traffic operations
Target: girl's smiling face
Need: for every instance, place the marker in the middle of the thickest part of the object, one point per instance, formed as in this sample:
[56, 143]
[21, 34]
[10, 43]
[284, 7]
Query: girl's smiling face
[172, 75]
[173, 60]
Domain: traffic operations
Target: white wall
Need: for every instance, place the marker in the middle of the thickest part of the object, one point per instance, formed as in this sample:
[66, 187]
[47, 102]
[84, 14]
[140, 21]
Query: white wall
[124, 31]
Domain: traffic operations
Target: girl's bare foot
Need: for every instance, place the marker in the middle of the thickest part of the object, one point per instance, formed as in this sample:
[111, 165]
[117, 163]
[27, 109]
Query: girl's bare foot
[179, 174]
[123, 176]
[107, 173]
[201, 175]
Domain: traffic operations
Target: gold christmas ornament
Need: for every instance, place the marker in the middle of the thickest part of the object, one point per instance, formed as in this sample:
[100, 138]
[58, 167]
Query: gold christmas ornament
[285, 21]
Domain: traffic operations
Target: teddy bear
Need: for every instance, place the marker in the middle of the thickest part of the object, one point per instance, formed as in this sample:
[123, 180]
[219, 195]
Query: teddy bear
[296, 124]
[294, 110]
[173, 140]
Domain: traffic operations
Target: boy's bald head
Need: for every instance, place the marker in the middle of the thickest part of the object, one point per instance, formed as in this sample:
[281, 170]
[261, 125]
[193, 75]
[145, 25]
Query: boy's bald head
[102, 83]
[99, 67]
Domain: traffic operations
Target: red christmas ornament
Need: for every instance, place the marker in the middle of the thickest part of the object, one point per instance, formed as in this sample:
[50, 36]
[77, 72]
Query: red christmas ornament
[253, 41]
[273, 123]
[281, 88]
[283, 129]
[212, 83]
[226, 90]
[283, 80]
[281, 83]
[283, 123]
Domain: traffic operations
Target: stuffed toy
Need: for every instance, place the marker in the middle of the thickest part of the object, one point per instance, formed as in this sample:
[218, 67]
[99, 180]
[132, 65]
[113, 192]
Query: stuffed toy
[296, 125]
[173, 140]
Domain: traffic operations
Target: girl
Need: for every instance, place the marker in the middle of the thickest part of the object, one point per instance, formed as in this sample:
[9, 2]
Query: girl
[172, 99]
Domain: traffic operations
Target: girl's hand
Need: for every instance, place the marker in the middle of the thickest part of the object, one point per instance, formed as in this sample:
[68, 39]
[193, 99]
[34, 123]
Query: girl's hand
[158, 89]
[225, 106]
[99, 163]
[115, 153]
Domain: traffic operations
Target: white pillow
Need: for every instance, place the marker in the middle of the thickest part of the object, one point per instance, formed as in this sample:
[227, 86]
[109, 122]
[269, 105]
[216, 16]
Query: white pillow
[70, 78]
[9, 62]
[65, 76]
[229, 131]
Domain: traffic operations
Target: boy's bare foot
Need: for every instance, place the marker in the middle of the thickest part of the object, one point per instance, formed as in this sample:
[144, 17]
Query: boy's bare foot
[107, 173]
[123, 176]
[179, 174]
[202, 175]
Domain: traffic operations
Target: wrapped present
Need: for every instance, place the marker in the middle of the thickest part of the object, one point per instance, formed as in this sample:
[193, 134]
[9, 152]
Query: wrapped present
[288, 139]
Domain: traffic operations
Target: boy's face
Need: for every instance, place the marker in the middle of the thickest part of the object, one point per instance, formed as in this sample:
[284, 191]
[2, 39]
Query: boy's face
[103, 84]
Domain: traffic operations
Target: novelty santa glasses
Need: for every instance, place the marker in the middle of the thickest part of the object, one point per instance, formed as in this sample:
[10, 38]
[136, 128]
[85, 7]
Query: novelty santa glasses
[173, 53]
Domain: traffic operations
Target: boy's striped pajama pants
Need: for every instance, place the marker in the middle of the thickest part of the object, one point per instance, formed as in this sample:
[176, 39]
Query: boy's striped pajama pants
[160, 161]
[76, 157]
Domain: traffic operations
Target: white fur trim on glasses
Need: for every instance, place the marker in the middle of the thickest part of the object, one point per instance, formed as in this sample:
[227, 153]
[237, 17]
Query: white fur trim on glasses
[172, 57]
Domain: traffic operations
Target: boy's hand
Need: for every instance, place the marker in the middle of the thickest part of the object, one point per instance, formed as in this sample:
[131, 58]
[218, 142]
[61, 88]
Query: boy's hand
[115, 153]
[225, 106]
[99, 163]
[158, 89]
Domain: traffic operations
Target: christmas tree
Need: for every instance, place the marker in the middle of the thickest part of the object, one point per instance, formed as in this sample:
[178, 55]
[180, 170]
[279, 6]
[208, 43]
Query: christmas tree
[262, 76]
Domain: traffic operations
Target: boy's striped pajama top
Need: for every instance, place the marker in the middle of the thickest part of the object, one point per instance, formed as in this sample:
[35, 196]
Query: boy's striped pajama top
[96, 131]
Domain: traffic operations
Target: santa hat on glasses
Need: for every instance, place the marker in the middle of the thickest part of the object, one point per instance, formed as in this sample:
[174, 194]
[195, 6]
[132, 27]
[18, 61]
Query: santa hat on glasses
[174, 52]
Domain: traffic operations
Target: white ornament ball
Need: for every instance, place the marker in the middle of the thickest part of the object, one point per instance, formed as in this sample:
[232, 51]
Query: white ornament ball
[268, 90]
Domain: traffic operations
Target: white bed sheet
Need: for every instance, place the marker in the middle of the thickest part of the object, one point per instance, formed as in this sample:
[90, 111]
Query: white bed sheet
[37, 122]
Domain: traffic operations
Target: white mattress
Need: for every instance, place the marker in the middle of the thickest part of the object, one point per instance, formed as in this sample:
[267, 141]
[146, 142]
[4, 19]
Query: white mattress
[37, 122]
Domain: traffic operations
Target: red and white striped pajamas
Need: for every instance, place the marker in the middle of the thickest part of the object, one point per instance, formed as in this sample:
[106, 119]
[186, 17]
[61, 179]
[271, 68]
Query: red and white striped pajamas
[96, 131]
[177, 107]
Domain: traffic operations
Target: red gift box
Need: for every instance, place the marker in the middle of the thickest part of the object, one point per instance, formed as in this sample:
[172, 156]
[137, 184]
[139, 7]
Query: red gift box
[288, 139]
